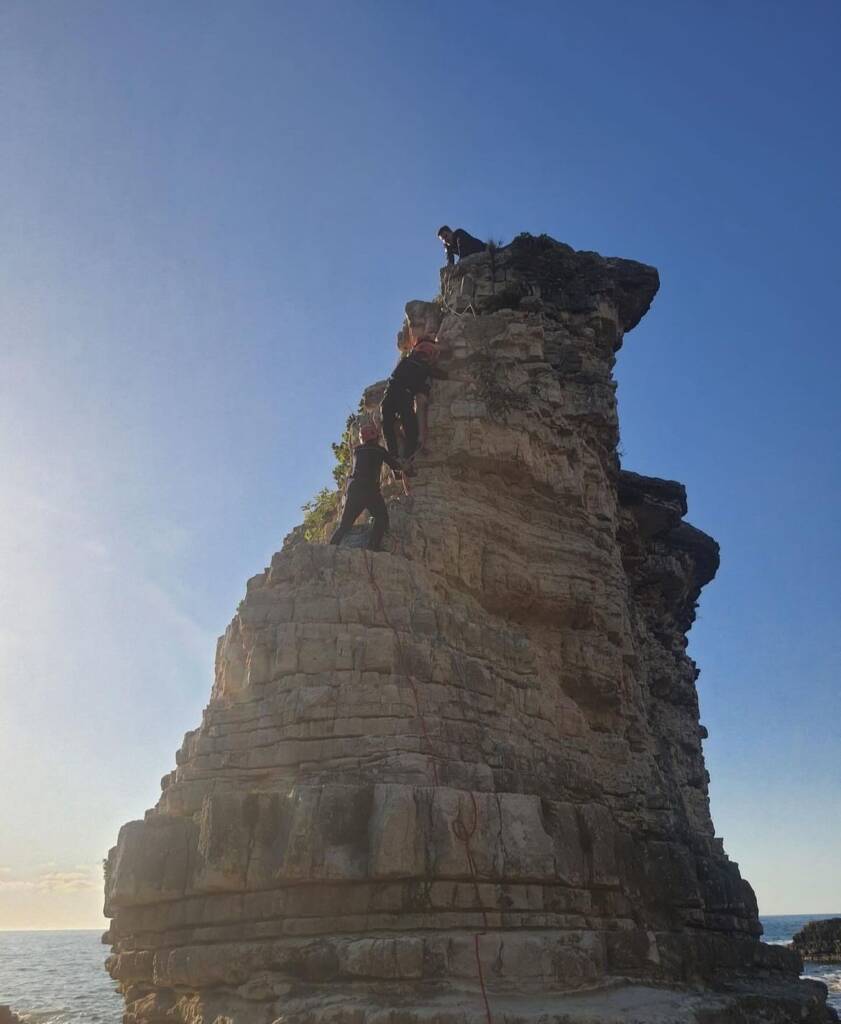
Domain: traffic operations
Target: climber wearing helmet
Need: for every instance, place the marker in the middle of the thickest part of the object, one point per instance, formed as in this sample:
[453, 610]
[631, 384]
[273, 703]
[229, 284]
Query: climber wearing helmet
[410, 378]
[363, 488]
[458, 243]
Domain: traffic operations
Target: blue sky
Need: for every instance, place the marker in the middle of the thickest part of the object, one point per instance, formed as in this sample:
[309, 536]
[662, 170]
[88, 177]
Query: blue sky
[212, 216]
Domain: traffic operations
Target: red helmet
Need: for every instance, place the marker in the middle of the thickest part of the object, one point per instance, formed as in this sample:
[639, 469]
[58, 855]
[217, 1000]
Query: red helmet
[368, 432]
[427, 349]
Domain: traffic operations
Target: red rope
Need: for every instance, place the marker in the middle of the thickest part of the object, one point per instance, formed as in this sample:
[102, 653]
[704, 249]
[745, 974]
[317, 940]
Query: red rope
[369, 565]
[481, 974]
[464, 835]
[460, 830]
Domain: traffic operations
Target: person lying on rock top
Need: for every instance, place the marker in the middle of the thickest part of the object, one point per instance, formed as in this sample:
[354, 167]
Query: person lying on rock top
[459, 243]
[411, 378]
[363, 488]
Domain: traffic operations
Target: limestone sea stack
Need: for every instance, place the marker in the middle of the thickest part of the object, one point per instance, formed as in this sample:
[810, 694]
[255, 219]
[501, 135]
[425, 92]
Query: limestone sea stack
[820, 940]
[461, 781]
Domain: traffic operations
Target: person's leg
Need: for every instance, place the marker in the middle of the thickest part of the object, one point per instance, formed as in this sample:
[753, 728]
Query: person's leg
[354, 504]
[388, 415]
[409, 419]
[376, 506]
[422, 406]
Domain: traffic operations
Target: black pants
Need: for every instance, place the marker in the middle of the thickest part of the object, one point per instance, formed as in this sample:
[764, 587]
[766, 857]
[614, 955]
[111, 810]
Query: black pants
[398, 403]
[358, 498]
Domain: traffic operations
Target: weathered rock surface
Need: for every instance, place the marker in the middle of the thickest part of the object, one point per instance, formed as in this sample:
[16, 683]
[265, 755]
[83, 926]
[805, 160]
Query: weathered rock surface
[469, 766]
[8, 1017]
[820, 940]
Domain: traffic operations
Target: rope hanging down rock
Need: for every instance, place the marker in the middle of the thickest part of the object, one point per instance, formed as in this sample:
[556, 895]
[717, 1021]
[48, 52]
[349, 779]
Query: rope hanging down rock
[461, 831]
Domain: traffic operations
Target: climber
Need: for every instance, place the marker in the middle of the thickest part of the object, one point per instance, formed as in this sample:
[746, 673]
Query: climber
[363, 488]
[410, 378]
[459, 243]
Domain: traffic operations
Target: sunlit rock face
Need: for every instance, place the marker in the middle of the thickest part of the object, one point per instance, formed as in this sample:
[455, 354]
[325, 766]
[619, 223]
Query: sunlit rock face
[462, 779]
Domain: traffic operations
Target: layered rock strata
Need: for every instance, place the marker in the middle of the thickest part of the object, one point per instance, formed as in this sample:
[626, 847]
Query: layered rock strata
[462, 779]
[820, 940]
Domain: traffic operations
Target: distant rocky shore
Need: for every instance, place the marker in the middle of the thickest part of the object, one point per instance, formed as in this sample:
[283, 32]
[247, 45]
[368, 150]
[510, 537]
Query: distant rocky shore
[819, 940]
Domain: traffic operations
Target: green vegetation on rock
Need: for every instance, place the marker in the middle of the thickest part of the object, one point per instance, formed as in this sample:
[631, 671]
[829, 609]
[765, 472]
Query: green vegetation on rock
[321, 509]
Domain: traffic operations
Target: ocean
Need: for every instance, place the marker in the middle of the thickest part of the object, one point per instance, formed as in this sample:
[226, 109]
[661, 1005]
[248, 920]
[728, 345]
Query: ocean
[58, 977]
[779, 930]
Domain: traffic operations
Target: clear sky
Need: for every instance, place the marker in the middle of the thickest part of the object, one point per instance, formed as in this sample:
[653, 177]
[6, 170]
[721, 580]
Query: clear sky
[212, 215]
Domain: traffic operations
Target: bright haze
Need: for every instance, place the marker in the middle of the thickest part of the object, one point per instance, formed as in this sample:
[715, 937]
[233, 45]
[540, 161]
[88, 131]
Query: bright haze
[212, 215]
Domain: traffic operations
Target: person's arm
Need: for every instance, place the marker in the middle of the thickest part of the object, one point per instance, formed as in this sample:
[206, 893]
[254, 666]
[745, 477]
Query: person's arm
[464, 243]
[392, 462]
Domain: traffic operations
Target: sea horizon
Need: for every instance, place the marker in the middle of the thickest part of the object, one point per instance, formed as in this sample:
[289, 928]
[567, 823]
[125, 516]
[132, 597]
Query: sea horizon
[57, 975]
[104, 926]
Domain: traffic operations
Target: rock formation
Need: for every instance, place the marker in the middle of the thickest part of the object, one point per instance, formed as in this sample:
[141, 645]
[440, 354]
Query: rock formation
[820, 940]
[461, 780]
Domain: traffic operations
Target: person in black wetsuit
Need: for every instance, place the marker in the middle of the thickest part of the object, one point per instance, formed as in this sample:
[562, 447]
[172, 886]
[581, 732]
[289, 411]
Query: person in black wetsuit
[363, 489]
[411, 377]
[459, 243]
